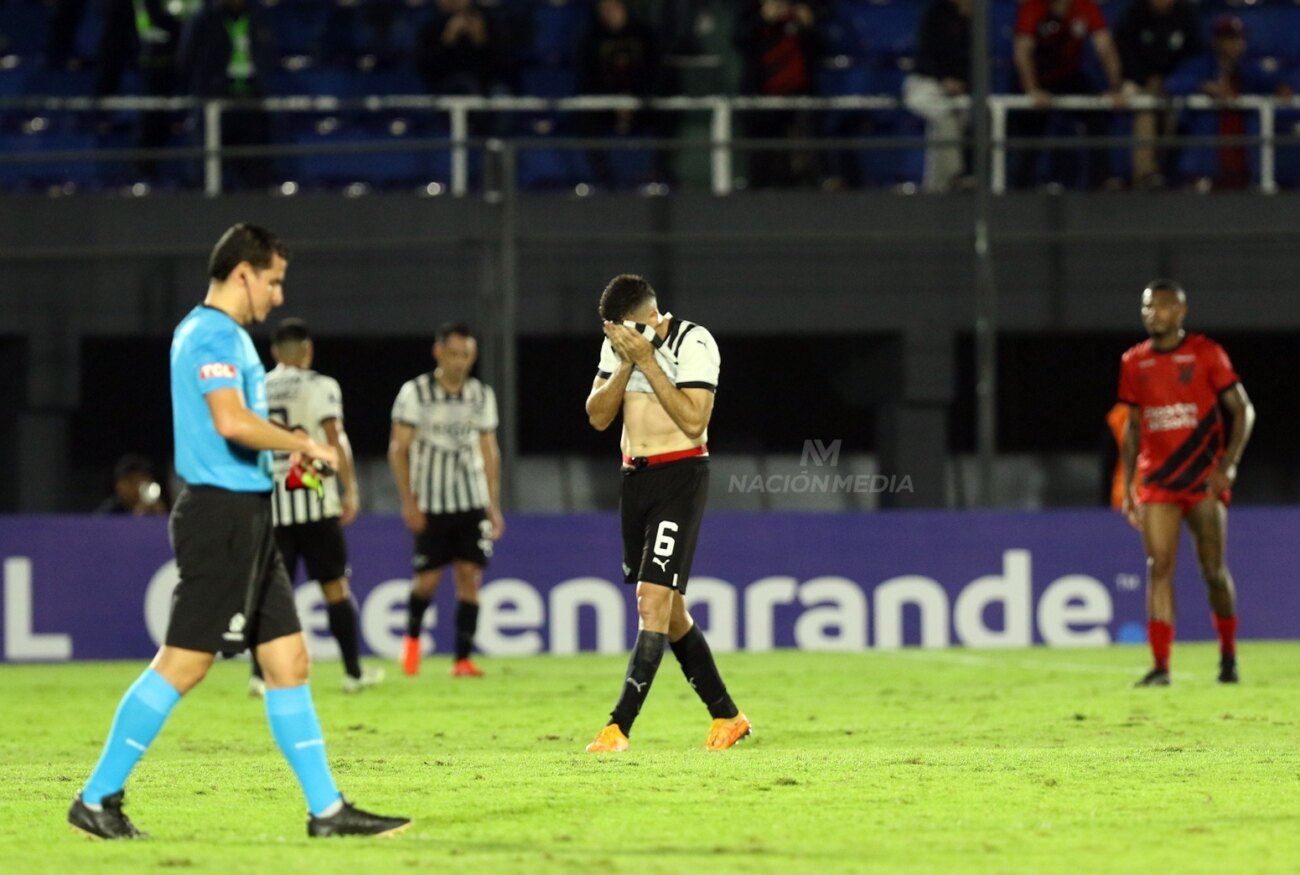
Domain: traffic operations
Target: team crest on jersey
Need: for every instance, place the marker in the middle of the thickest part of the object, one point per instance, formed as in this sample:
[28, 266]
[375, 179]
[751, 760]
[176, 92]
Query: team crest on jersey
[217, 369]
[1185, 374]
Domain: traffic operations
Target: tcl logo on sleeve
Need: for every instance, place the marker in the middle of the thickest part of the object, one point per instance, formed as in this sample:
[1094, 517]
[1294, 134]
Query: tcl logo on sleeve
[217, 369]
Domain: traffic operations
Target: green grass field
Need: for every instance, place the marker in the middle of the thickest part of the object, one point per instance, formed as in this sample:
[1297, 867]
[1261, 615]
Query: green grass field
[1036, 761]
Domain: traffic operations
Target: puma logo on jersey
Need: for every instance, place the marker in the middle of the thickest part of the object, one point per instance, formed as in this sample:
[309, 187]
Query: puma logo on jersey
[639, 687]
[662, 563]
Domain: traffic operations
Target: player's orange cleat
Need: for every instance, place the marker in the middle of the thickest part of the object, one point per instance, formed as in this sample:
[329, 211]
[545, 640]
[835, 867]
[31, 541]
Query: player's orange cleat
[410, 655]
[726, 731]
[464, 668]
[610, 740]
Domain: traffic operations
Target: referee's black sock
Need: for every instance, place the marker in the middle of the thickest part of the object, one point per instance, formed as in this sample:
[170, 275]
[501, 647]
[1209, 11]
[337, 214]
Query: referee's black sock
[641, 668]
[466, 624]
[415, 608]
[692, 651]
[343, 626]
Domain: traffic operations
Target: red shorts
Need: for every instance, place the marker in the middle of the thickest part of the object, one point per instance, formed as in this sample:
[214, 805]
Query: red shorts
[1185, 500]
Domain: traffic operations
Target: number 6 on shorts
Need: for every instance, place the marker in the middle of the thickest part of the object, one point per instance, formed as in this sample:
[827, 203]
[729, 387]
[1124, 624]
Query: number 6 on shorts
[664, 542]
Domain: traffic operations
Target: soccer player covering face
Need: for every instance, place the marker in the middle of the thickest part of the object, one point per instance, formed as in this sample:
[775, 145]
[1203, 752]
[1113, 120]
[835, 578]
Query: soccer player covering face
[661, 372]
[234, 592]
[1180, 459]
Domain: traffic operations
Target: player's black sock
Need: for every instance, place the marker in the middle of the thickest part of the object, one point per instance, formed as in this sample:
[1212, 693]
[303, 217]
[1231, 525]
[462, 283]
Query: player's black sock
[415, 608]
[692, 651]
[641, 668]
[466, 624]
[343, 626]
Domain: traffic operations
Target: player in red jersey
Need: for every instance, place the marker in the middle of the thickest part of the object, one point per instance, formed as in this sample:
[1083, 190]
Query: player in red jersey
[1180, 461]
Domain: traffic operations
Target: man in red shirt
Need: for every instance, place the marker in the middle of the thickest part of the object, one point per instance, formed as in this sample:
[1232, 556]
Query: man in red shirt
[1051, 38]
[1177, 464]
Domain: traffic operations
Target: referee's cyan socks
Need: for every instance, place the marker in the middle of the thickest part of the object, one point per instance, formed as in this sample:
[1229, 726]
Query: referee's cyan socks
[139, 717]
[297, 731]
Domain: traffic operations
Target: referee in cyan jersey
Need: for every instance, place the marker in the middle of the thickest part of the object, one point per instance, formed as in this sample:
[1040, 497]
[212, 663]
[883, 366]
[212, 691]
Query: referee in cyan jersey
[445, 460]
[308, 525]
[233, 591]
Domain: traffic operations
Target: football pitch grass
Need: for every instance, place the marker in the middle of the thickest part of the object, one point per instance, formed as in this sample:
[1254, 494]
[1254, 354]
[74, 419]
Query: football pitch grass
[1034, 761]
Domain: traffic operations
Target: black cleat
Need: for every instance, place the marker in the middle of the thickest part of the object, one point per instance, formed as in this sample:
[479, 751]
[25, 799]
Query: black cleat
[351, 821]
[1228, 670]
[1157, 677]
[110, 822]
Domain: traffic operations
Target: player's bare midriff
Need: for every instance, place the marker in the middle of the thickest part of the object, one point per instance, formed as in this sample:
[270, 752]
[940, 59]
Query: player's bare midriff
[648, 430]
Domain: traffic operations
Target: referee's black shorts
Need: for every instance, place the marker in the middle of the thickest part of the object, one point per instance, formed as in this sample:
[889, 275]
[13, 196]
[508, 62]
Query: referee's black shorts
[661, 509]
[234, 590]
[319, 544]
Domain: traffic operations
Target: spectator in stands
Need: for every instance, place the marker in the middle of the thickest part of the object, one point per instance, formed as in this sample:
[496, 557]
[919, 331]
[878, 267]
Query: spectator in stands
[942, 72]
[618, 54]
[61, 38]
[148, 33]
[460, 51]
[1223, 73]
[226, 52]
[780, 50]
[135, 489]
[1153, 38]
[1051, 36]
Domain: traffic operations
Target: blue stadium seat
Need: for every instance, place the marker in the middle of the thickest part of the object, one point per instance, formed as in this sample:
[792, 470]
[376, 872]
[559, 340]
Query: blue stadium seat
[557, 24]
[378, 169]
[61, 83]
[37, 177]
[24, 27]
[297, 24]
[1272, 31]
[542, 169]
[845, 81]
[549, 82]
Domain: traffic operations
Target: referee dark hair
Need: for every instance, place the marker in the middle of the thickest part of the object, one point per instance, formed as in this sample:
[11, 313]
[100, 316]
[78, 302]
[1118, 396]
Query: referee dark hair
[234, 592]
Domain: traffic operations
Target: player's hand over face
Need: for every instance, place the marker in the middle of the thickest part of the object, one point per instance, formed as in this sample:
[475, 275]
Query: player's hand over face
[629, 345]
[1132, 510]
[413, 517]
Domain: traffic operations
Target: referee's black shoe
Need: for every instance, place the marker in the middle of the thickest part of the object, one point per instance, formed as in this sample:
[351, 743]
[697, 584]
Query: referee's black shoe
[1157, 677]
[1228, 670]
[109, 822]
[352, 821]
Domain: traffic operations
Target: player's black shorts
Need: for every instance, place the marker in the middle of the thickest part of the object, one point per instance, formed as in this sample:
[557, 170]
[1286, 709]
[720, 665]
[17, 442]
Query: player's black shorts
[465, 534]
[319, 544]
[234, 589]
[661, 509]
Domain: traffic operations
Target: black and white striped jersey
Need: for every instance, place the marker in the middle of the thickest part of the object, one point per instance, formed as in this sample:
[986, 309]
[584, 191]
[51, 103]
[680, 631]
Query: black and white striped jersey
[302, 398]
[689, 357]
[446, 458]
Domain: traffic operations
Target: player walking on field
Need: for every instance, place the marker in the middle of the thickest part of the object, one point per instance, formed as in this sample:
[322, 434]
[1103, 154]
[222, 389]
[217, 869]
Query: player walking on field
[662, 373]
[1180, 461]
[447, 467]
[309, 524]
[234, 591]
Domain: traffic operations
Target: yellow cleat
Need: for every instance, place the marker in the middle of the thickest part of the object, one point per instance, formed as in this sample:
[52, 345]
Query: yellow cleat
[726, 731]
[610, 740]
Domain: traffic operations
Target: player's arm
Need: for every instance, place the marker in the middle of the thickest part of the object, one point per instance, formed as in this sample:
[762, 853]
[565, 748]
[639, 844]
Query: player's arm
[1103, 45]
[606, 397]
[235, 422]
[1235, 399]
[399, 460]
[689, 409]
[1129, 456]
[487, 441]
[350, 498]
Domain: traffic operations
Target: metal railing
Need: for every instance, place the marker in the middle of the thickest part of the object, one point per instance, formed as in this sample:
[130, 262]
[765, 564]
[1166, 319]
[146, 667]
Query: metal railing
[722, 141]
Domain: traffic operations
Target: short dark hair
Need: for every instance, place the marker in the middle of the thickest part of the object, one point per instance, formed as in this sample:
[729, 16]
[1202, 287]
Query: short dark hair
[1168, 285]
[291, 330]
[132, 463]
[244, 242]
[447, 329]
[626, 293]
